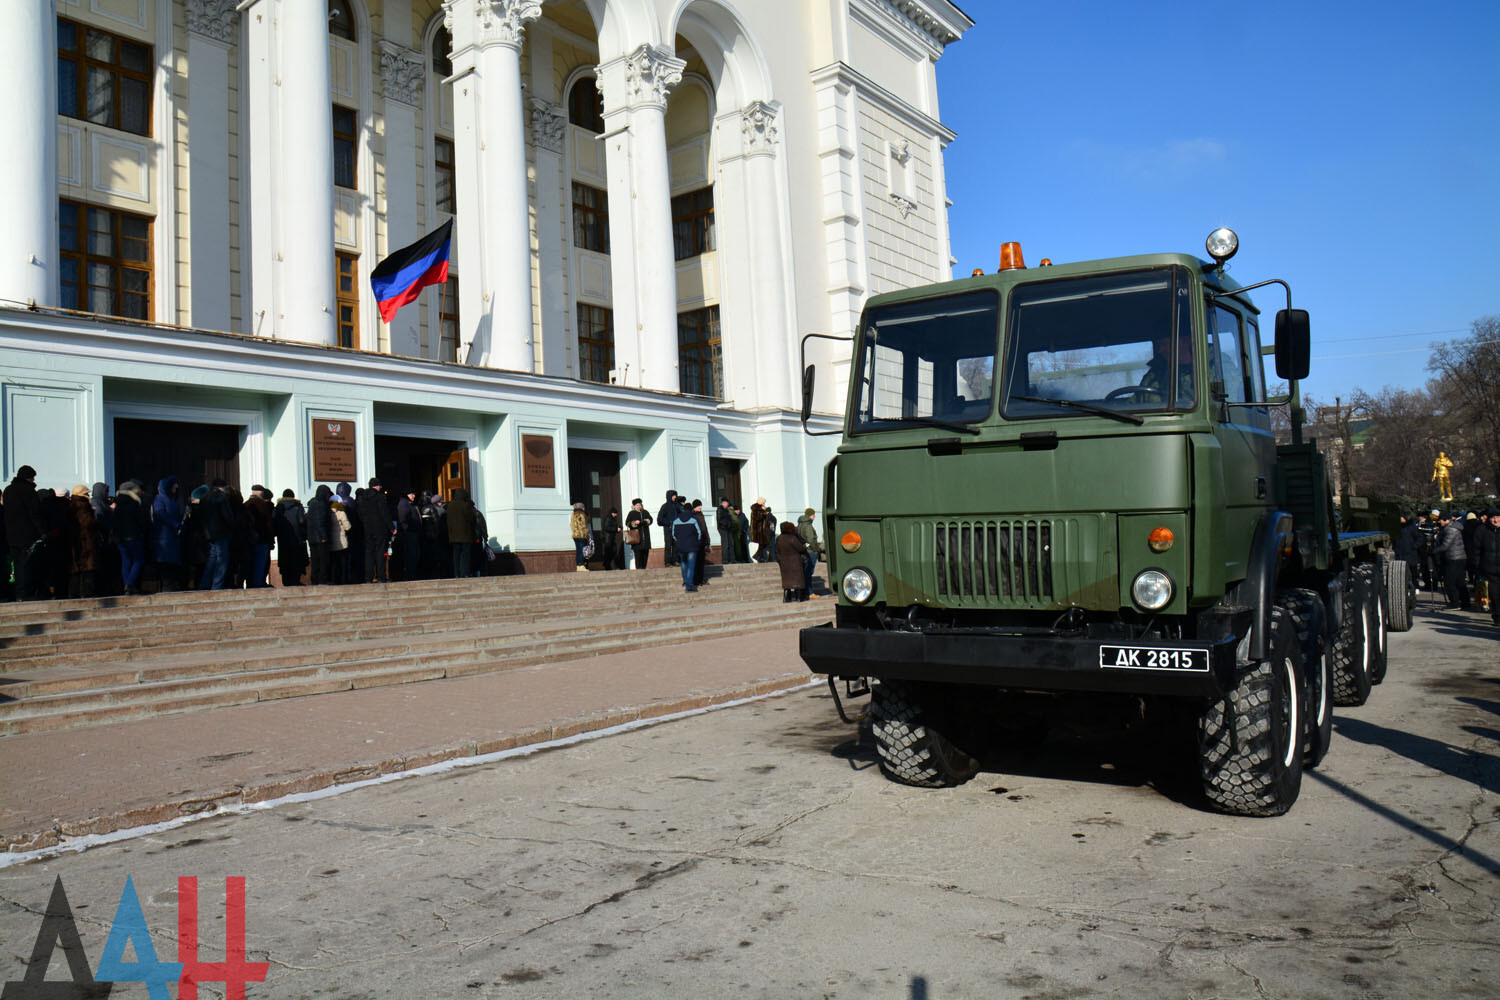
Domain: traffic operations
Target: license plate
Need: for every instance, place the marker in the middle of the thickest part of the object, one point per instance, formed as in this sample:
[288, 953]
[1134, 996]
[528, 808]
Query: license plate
[1152, 658]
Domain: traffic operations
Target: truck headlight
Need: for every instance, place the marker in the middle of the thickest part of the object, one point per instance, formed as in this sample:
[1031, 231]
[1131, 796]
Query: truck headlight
[859, 585]
[1152, 589]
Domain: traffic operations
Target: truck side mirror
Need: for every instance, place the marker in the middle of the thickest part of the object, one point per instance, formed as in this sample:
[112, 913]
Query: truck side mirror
[1293, 344]
[809, 379]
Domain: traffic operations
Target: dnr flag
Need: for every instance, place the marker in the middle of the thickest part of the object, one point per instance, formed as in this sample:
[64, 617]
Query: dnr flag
[401, 277]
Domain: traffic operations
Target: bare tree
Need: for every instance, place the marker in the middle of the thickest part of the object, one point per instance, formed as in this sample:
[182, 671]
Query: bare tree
[1392, 455]
[1467, 387]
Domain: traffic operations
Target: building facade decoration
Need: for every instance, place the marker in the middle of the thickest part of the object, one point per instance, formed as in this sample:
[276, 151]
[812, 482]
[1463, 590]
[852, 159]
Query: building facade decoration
[497, 22]
[548, 125]
[758, 128]
[402, 73]
[212, 19]
[650, 74]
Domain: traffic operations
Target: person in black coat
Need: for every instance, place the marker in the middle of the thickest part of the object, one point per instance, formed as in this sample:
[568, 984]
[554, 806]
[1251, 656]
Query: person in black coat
[614, 552]
[700, 565]
[638, 519]
[1408, 546]
[666, 517]
[1487, 546]
[128, 531]
[290, 522]
[319, 533]
[724, 520]
[23, 529]
[436, 563]
[409, 535]
[376, 524]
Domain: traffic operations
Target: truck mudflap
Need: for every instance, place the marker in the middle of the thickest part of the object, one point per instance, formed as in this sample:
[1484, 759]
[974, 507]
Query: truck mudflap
[1201, 668]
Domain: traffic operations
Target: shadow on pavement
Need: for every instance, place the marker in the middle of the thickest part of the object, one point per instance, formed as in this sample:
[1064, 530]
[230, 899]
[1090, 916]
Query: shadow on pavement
[1482, 769]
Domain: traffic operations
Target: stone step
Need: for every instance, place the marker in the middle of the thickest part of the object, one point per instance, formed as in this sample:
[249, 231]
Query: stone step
[137, 699]
[132, 637]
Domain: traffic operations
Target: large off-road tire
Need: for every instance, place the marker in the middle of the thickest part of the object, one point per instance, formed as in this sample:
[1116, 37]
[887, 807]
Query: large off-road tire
[1400, 594]
[909, 738]
[1308, 620]
[1378, 610]
[1351, 648]
[1250, 742]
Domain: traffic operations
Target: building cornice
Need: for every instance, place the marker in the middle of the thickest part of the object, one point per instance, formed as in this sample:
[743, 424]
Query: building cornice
[934, 24]
[844, 74]
[213, 19]
[271, 366]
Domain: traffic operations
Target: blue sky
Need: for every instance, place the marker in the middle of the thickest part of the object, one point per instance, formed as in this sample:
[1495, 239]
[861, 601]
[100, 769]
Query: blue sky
[1355, 148]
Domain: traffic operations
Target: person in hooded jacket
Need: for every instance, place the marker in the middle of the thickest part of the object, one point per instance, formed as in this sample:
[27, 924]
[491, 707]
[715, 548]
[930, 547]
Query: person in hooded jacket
[409, 535]
[166, 532]
[741, 536]
[218, 528]
[194, 542]
[614, 555]
[808, 532]
[437, 563]
[463, 532]
[289, 521]
[667, 517]
[339, 540]
[700, 565]
[376, 526]
[106, 556]
[686, 536]
[128, 532]
[320, 532]
[81, 537]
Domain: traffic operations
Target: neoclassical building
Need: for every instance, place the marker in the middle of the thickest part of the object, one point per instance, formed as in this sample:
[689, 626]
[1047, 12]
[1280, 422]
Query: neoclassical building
[653, 201]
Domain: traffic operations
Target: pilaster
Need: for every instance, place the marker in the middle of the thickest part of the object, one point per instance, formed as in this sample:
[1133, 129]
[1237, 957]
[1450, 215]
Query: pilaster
[211, 34]
[402, 75]
[28, 227]
[549, 127]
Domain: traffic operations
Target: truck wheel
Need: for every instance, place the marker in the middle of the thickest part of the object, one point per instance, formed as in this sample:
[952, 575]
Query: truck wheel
[1250, 742]
[1306, 608]
[1351, 655]
[1400, 593]
[1378, 609]
[911, 750]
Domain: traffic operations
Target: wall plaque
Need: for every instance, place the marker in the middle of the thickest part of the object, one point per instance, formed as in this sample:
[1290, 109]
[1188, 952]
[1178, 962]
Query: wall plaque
[537, 467]
[333, 450]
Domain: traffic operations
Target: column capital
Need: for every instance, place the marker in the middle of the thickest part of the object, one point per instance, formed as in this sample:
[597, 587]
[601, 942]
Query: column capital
[548, 125]
[758, 129]
[213, 19]
[402, 71]
[483, 23]
[651, 72]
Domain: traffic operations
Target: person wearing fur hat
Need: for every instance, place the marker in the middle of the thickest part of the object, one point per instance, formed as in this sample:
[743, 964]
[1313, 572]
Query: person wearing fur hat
[128, 531]
[79, 536]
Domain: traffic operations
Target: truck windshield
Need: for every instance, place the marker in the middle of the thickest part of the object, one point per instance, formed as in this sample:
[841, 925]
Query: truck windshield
[929, 362]
[1120, 342]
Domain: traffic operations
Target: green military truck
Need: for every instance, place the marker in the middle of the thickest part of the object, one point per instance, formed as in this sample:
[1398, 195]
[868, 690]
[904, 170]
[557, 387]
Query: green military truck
[1062, 483]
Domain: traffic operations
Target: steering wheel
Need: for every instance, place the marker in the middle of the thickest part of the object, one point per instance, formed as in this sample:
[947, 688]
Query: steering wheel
[1132, 390]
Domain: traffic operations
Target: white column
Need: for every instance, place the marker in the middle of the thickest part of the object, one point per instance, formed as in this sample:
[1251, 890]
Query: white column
[549, 129]
[211, 33]
[493, 229]
[401, 77]
[769, 264]
[28, 79]
[642, 260]
[304, 244]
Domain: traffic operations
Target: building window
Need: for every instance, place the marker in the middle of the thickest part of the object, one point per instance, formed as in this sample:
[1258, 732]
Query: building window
[103, 78]
[442, 155]
[105, 261]
[693, 223]
[442, 53]
[345, 147]
[596, 342]
[700, 353]
[590, 218]
[448, 321]
[340, 19]
[586, 105]
[346, 298]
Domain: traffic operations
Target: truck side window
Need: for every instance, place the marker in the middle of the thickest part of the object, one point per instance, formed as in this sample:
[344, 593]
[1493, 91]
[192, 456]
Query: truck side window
[1226, 355]
[1255, 362]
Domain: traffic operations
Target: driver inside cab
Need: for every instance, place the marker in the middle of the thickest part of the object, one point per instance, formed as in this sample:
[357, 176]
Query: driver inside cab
[1155, 383]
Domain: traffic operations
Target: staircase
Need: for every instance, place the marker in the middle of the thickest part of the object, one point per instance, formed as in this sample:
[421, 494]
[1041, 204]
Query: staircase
[65, 664]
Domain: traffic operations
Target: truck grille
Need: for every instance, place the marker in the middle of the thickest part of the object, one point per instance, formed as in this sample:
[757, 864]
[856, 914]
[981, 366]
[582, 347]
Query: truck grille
[1007, 561]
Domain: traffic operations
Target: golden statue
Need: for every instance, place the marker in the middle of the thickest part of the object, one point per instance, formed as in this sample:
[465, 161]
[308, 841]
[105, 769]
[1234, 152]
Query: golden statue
[1440, 475]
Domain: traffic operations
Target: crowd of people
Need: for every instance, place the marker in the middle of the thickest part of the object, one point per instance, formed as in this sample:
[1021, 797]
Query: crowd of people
[686, 542]
[87, 542]
[1456, 554]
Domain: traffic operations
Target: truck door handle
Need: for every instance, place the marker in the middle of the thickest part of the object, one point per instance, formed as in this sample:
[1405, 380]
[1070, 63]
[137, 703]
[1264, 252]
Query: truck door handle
[1260, 487]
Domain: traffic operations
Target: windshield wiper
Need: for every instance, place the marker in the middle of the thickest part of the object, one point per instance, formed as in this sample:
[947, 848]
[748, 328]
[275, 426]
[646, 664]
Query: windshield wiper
[1103, 411]
[927, 421]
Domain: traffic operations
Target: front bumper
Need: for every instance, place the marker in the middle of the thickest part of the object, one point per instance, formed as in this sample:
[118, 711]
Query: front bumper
[1035, 663]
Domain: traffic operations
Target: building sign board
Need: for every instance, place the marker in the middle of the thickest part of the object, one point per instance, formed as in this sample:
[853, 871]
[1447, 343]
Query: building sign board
[537, 465]
[333, 450]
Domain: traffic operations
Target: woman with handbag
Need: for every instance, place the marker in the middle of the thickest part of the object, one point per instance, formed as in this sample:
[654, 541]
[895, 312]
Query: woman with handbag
[638, 532]
[583, 542]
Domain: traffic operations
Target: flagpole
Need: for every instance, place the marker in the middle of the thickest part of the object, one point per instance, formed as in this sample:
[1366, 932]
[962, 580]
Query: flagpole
[442, 298]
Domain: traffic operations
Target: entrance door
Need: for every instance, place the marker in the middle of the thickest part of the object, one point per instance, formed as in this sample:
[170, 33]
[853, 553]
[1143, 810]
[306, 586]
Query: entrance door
[423, 464]
[150, 450]
[725, 473]
[594, 481]
[455, 474]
